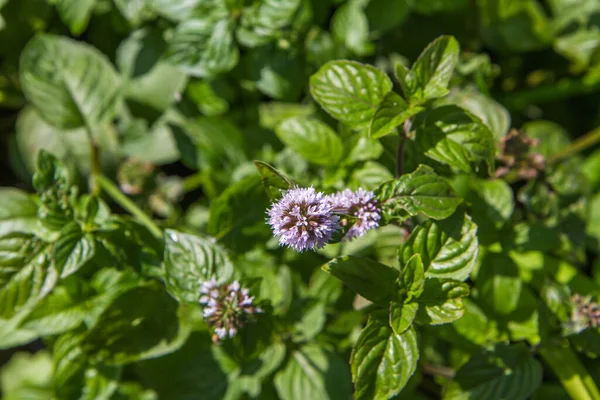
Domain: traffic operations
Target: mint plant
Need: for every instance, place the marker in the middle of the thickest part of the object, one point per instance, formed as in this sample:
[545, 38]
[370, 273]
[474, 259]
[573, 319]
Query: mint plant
[299, 199]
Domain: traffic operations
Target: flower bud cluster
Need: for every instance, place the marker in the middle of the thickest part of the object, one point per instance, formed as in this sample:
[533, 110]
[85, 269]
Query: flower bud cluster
[227, 308]
[585, 312]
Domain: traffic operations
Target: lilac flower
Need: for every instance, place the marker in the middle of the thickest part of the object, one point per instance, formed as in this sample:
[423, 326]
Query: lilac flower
[361, 204]
[303, 219]
[226, 307]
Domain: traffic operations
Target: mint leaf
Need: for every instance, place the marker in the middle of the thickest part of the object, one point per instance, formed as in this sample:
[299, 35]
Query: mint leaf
[203, 47]
[73, 249]
[392, 112]
[83, 86]
[75, 14]
[402, 315]
[17, 212]
[312, 139]
[313, 373]
[370, 279]
[273, 181]
[420, 192]
[382, 361]
[412, 278]
[350, 91]
[506, 372]
[442, 301]
[190, 260]
[430, 74]
[448, 248]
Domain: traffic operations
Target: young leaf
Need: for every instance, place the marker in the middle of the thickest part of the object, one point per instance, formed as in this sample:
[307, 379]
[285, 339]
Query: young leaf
[273, 180]
[57, 197]
[370, 279]
[72, 249]
[309, 374]
[448, 248]
[412, 278]
[350, 91]
[509, 372]
[420, 192]
[190, 260]
[391, 113]
[382, 361]
[402, 315]
[70, 84]
[441, 301]
[430, 74]
[203, 47]
[312, 139]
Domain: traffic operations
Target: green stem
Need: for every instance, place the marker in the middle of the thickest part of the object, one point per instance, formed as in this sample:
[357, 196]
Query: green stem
[193, 182]
[96, 169]
[573, 376]
[582, 143]
[114, 192]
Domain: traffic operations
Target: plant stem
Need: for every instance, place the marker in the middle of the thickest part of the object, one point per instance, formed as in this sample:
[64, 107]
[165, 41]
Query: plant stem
[96, 169]
[193, 182]
[114, 192]
[573, 376]
[582, 143]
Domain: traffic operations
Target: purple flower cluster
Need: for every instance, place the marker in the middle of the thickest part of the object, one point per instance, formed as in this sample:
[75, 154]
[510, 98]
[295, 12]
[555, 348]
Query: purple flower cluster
[303, 219]
[360, 204]
[226, 307]
[306, 219]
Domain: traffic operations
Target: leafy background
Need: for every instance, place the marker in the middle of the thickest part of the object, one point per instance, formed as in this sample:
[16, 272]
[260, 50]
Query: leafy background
[181, 96]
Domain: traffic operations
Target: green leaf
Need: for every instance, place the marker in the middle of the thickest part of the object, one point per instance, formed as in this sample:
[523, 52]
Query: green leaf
[75, 302]
[412, 278]
[262, 22]
[382, 361]
[453, 136]
[492, 113]
[131, 330]
[75, 14]
[402, 316]
[273, 181]
[312, 322]
[349, 25]
[69, 363]
[442, 301]
[350, 91]
[18, 212]
[69, 83]
[509, 372]
[499, 283]
[25, 278]
[240, 212]
[370, 279]
[313, 373]
[73, 249]
[203, 47]
[430, 74]
[150, 81]
[27, 376]
[190, 260]
[178, 10]
[492, 205]
[57, 197]
[312, 139]
[278, 73]
[420, 192]
[186, 372]
[448, 248]
[392, 112]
